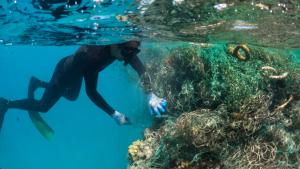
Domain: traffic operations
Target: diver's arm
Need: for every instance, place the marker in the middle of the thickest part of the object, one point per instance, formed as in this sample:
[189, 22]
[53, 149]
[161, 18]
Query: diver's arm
[138, 66]
[155, 102]
[97, 99]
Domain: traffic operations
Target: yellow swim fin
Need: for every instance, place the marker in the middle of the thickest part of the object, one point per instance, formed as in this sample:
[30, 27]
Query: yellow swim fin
[41, 125]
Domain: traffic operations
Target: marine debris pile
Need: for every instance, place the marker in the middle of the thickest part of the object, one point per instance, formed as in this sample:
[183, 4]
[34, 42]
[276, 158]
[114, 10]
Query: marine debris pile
[224, 111]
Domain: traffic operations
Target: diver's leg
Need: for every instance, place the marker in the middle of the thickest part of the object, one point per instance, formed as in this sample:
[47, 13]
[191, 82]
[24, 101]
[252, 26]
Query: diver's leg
[3, 110]
[73, 91]
[54, 90]
[51, 95]
[34, 84]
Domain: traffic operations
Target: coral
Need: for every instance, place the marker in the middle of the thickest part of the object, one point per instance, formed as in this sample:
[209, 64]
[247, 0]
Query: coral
[139, 150]
[183, 164]
[134, 149]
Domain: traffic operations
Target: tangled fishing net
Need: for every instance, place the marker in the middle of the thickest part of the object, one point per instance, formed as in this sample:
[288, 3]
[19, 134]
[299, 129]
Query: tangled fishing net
[222, 112]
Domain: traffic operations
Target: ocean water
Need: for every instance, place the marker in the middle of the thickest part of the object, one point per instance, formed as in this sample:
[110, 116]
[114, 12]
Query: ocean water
[249, 111]
[85, 136]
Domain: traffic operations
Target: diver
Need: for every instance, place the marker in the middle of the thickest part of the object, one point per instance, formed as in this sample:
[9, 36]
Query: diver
[85, 64]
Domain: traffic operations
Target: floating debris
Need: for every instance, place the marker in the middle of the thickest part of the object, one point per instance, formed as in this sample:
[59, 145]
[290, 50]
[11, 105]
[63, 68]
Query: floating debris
[237, 54]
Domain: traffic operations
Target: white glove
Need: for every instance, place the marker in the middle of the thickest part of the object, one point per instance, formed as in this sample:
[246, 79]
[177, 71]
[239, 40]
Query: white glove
[156, 103]
[121, 119]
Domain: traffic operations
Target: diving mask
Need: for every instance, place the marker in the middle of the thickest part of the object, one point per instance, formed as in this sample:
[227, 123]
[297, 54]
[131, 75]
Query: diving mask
[128, 52]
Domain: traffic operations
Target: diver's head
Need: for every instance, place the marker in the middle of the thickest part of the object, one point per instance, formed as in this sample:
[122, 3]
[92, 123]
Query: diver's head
[134, 44]
[125, 51]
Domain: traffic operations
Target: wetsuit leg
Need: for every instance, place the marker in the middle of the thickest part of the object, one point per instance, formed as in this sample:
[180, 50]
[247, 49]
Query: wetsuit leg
[50, 97]
[3, 109]
[54, 90]
[71, 93]
[34, 84]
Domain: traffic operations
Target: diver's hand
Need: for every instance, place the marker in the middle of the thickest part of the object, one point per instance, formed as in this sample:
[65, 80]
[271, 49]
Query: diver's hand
[121, 119]
[156, 103]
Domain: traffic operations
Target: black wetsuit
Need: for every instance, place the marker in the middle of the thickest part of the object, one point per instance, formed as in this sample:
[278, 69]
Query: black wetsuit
[66, 81]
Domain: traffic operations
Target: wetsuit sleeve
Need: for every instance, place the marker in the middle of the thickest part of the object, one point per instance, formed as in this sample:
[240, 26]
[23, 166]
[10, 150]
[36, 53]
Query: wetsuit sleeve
[97, 99]
[138, 66]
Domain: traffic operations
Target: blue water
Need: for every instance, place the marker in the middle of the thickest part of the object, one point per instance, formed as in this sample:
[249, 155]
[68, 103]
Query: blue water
[85, 136]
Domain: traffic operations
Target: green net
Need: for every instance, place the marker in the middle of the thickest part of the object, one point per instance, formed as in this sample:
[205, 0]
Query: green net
[223, 112]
